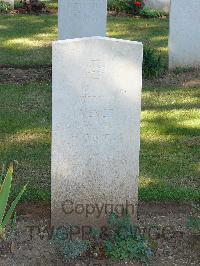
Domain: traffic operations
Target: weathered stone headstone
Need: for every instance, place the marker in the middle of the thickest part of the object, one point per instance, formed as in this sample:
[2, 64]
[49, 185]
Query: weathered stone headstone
[81, 18]
[163, 5]
[184, 37]
[96, 129]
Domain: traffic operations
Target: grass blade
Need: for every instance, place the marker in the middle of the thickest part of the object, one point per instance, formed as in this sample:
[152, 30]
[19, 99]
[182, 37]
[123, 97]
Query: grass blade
[12, 207]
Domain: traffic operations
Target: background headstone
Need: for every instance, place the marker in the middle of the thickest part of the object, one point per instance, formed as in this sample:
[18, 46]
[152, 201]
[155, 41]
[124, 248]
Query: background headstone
[81, 18]
[184, 37]
[96, 129]
[163, 5]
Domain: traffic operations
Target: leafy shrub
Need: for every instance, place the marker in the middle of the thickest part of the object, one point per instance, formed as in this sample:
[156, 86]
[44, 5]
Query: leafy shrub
[181, 70]
[70, 249]
[118, 5]
[153, 65]
[152, 13]
[4, 7]
[136, 6]
[127, 6]
[124, 242]
[19, 4]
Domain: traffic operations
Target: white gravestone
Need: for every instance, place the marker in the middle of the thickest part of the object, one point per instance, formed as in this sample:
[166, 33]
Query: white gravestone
[163, 5]
[97, 86]
[81, 18]
[184, 37]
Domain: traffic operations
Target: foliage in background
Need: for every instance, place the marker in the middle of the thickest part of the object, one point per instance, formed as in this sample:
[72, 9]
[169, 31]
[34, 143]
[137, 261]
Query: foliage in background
[153, 64]
[6, 215]
[5, 7]
[147, 12]
[52, 4]
[118, 6]
[31, 6]
[18, 4]
[136, 6]
[126, 6]
[124, 241]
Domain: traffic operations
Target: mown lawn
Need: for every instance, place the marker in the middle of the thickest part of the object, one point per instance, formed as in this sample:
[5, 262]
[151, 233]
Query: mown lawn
[170, 144]
[26, 40]
[170, 128]
[170, 141]
[25, 123]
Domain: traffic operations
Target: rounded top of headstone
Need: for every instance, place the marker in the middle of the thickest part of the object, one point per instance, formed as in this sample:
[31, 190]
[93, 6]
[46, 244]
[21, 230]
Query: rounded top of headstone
[97, 38]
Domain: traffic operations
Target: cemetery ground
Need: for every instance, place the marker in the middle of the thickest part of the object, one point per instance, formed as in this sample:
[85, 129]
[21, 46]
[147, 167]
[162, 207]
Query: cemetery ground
[170, 139]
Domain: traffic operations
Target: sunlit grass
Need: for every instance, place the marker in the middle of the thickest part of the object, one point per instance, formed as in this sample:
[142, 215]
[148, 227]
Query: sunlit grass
[51, 3]
[170, 127]
[26, 40]
[25, 116]
[170, 141]
[152, 32]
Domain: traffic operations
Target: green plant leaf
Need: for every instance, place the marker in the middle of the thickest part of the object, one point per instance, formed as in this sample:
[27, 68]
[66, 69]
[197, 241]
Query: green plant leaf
[5, 191]
[2, 175]
[12, 207]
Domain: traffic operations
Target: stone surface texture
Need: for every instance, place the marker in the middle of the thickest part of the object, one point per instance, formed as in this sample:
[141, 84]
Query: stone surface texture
[81, 18]
[163, 5]
[184, 37]
[97, 86]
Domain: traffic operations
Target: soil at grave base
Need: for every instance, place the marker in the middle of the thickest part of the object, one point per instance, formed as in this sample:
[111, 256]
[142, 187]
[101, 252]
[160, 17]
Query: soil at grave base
[41, 74]
[177, 247]
[25, 75]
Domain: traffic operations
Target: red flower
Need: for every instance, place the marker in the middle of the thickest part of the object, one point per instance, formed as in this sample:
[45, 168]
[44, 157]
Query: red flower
[138, 4]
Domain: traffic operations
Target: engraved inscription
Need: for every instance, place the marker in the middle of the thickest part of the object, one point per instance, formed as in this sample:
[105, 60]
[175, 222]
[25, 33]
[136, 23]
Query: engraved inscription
[95, 69]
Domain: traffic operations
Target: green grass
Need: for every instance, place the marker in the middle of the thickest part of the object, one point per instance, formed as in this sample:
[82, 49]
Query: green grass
[152, 32]
[25, 133]
[170, 144]
[170, 141]
[170, 130]
[26, 40]
[51, 4]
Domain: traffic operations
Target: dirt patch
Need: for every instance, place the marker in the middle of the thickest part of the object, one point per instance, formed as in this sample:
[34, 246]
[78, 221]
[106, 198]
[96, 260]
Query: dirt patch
[35, 211]
[26, 75]
[186, 79]
[164, 223]
[10, 75]
[120, 14]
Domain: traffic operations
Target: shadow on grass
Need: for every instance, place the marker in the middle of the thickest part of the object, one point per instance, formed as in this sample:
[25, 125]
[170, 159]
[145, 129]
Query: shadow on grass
[169, 149]
[153, 32]
[170, 144]
[26, 40]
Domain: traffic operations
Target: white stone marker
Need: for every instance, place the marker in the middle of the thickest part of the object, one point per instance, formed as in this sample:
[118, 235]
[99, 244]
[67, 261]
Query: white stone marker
[163, 5]
[81, 18]
[97, 86]
[184, 37]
